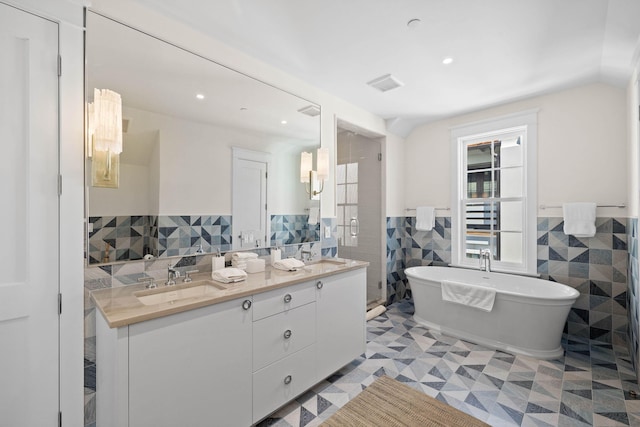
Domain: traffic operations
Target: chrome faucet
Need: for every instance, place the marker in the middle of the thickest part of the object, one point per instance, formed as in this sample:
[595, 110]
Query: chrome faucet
[485, 260]
[172, 275]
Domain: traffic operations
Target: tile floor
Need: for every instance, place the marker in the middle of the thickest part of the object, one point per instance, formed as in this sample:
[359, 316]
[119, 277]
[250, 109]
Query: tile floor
[592, 385]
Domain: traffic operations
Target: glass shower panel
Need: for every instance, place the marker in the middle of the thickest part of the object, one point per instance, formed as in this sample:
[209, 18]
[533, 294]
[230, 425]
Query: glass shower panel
[359, 208]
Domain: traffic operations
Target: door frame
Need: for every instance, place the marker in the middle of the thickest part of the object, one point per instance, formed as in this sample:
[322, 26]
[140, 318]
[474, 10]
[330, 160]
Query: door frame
[69, 15]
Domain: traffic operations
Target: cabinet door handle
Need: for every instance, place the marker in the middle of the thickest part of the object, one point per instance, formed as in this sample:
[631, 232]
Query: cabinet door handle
[287, 298]
[319, 284]
[287, 334]
[246, 304]
[287, 379]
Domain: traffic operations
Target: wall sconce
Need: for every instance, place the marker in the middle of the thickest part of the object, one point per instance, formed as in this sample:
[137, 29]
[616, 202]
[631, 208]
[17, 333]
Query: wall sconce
[105, 137]
[311, 177]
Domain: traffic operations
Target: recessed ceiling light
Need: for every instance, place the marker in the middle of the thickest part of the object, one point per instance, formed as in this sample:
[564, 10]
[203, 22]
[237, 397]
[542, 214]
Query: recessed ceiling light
[447, 61]
[284, 122]
[200, 96]
[243, 108]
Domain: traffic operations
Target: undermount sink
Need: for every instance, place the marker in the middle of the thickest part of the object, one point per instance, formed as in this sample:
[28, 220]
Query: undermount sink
[324, 264]
[171, 294]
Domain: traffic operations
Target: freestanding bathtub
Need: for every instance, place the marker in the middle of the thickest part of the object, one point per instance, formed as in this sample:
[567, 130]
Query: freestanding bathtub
[527, 317]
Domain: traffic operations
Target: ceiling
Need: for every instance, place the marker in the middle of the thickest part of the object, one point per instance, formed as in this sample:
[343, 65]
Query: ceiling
[502, 50]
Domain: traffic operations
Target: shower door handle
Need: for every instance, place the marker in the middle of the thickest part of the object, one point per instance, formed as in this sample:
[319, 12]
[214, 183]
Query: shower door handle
[354, 227]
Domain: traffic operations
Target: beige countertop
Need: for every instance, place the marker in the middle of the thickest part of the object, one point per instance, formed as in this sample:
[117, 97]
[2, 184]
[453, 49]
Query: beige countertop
[120, 306]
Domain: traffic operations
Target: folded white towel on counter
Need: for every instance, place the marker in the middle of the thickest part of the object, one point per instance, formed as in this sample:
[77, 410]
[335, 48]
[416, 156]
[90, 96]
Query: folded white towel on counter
[425, 218]
[579, 219]
[470, 295]
[229, 275]
[244, 255]
[288, 264]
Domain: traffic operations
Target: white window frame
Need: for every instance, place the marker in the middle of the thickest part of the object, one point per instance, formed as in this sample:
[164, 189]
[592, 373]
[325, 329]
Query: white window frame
[459, 134]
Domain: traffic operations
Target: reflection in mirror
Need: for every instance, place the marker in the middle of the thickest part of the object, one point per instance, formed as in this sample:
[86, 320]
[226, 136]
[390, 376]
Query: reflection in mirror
[182, 117]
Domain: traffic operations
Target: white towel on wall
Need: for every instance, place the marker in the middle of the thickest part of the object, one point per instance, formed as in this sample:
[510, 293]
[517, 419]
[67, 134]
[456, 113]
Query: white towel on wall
[579, 219]
[470, 295]
[313, 216]
[425, 218]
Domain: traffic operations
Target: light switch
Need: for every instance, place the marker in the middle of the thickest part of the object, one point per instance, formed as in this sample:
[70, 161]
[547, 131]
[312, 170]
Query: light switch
[327, 232]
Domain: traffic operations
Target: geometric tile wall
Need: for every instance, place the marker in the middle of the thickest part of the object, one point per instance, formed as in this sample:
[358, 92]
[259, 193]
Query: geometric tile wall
[596, 267]
[292, 229]
[632, 290]
[185, 234]
[132, 237]
[396, 255]
[407, 247]
[330, 244]
[125, 237]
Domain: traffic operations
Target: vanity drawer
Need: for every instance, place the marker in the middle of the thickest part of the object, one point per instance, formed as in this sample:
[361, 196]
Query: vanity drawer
[282, 334]
[282, 381]
[279, 300]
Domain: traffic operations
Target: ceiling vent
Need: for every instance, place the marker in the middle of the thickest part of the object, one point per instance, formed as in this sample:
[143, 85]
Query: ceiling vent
[385, 83]
[310, 110]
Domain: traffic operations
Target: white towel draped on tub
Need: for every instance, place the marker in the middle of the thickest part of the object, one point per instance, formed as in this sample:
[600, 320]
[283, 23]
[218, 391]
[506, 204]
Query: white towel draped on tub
[470, 295]
[425, 218]
[579, 219]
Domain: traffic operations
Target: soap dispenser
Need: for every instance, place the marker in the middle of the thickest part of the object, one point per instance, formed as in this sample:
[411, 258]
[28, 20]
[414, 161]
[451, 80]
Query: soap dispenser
[276, 254]
[217, 262]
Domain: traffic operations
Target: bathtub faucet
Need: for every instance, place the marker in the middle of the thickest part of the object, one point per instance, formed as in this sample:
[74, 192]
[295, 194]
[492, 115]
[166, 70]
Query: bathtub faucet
[485, 260]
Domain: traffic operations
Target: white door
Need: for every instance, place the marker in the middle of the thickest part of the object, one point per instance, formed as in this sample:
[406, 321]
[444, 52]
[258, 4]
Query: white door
[29, 362]
[249, 216]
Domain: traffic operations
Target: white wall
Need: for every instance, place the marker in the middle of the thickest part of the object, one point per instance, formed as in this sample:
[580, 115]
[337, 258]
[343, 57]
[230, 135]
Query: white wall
[582, 150]
[394, 175]
[130, 198]
[171, 30]
[189, 171]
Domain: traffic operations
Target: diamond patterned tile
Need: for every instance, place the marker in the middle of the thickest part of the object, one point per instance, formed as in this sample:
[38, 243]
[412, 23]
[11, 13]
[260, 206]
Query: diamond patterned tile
[583, 388]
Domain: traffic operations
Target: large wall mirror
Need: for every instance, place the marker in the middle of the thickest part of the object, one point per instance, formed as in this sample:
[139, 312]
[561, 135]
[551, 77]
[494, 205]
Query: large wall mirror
[169, 191]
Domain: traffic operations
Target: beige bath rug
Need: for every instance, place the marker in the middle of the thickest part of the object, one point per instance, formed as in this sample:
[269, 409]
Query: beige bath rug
[389, 403]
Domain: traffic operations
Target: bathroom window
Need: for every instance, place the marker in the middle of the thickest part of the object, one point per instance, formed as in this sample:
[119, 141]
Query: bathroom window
[347, 201]
[494, 203]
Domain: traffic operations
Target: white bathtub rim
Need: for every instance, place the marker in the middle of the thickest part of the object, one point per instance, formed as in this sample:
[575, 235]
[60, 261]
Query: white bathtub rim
[572, 293]
[487, 342]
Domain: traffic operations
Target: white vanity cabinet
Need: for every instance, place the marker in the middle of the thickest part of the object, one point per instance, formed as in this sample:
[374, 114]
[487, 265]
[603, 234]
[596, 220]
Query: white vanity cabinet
[185, 369]
[230, 363]
[341, 312]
